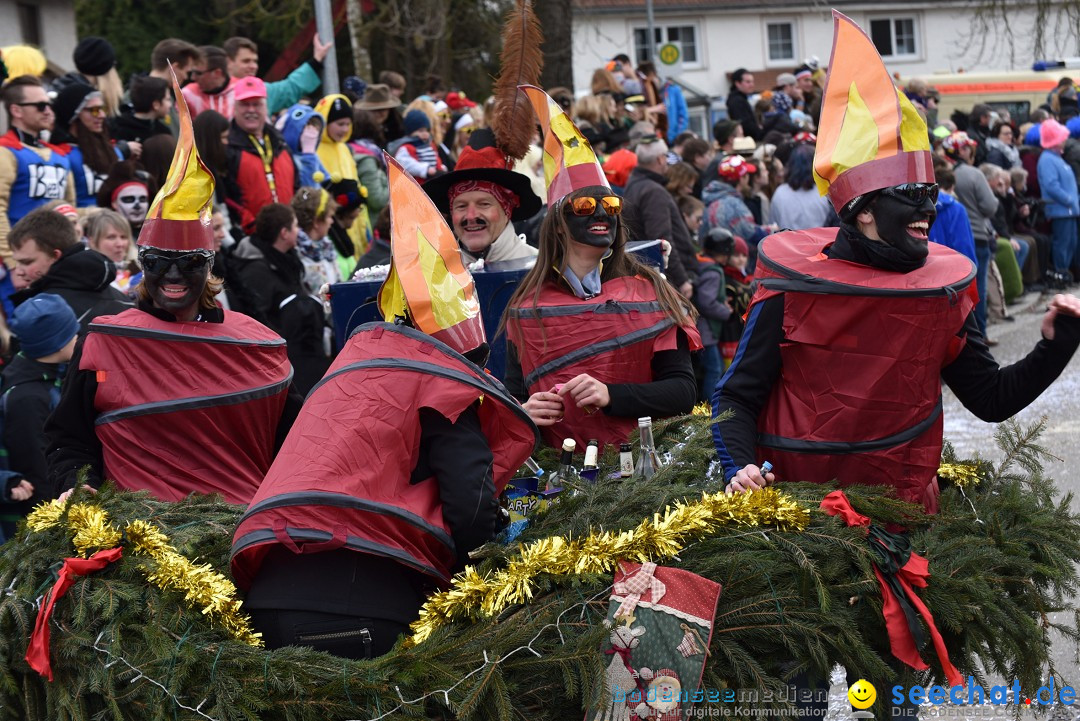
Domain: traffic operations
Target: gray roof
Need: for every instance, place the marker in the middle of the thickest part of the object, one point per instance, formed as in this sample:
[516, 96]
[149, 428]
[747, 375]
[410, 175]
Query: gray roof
[670, 6]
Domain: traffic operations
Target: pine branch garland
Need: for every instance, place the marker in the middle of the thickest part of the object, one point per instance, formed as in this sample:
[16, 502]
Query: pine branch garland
[1002, 566]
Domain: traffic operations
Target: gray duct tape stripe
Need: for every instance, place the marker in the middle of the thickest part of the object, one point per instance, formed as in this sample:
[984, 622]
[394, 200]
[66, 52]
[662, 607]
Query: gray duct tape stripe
[305, 535]
[609, 308]
[128, 332]
[820, 447]
[187, 404]
[490, 387]
[340, 500]
[796, 281]
[596, 349]
[827, 287]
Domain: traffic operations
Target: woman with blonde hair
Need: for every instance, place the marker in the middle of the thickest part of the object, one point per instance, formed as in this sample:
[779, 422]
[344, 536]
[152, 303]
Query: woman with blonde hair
[603, 81]
[681, 178]
[95, 58]
[109, 233]
[593, 116]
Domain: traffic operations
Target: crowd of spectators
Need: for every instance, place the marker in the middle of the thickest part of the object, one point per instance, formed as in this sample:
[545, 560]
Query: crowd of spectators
[301, 186]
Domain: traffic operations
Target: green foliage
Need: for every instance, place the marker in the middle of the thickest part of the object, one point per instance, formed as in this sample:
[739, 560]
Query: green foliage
[456, 39]
[1003, 559]
[134, 28]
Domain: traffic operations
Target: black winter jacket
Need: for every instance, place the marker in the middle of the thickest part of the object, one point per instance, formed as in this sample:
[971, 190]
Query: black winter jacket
[738, 108]
[650, 212]
[29, 391]
[83, 278]
[127, 127]
[272, 284]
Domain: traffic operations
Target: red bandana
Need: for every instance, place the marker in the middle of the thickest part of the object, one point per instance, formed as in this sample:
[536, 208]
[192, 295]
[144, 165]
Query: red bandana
[506, 198]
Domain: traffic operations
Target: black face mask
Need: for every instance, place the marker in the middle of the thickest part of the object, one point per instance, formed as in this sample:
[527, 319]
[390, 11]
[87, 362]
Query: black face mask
[174, 289]
[586, 229]
[902, 245]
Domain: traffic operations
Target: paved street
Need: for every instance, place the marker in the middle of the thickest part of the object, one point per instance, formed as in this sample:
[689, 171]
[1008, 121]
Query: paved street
[1061, 405]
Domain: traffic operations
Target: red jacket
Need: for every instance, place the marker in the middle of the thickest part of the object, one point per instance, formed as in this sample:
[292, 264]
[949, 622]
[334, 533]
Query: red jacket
[342, 477]
[859, 393]
[612, 337]
[186, 407]
[247, 181]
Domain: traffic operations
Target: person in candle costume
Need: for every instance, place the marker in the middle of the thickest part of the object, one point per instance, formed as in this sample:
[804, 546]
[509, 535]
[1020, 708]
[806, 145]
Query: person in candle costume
[596, 338]
[391, 474]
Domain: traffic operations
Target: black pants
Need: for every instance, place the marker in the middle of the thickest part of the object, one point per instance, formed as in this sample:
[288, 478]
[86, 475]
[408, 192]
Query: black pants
[346, 636]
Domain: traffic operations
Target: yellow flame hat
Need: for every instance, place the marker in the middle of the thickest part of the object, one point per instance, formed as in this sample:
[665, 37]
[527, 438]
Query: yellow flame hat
[869, 135]
[569, 161]
[428, 284]
[179, 218]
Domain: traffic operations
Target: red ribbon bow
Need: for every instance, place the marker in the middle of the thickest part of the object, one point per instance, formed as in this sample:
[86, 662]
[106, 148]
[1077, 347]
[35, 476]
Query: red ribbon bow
[37, 653]
[913, 573]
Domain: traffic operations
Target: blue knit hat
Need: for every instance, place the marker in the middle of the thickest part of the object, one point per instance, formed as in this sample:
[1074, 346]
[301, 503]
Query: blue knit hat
[416, 119]
[1073, 124]
[1032, 136]
[43, 324]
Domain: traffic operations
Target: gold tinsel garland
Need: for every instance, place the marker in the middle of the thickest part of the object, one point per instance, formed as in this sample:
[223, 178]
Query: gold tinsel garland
[961, 474]
[473, 594]
[202, 586]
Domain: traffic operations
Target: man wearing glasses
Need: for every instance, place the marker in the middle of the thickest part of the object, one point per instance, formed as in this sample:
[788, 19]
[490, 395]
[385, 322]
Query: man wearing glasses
[32, 172]
[852, 330]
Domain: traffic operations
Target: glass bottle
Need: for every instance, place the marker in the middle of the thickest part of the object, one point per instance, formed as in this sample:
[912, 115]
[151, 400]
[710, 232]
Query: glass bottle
[567, 475]
[592, 455]
[531, 468]
[648, 462]
[626, 461]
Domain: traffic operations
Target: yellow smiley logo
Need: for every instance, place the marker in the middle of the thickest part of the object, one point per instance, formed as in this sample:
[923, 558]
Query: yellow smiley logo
[862, 694]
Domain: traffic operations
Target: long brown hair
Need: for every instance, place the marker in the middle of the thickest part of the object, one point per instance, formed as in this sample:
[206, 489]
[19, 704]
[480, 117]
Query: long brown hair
[554, 236]
[97, 150]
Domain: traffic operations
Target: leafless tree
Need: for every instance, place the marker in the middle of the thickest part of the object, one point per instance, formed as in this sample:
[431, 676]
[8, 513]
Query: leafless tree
[1024, 30]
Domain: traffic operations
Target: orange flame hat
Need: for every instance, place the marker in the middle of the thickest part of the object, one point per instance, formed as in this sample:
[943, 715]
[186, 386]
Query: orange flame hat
[179, 218]
[428, 284]
[870, 136]
[569, 161]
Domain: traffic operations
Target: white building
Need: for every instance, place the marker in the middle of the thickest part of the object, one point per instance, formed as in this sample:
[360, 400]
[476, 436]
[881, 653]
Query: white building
[46, 24]
[769, 37]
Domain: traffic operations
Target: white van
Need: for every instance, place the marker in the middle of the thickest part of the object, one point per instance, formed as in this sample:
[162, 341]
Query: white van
[1019, 92]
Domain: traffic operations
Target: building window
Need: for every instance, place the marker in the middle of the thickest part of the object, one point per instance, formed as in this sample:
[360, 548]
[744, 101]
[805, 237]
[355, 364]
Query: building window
[895, 37]
[697, 122]
[781, 41]
[29, 23]
[684, 35]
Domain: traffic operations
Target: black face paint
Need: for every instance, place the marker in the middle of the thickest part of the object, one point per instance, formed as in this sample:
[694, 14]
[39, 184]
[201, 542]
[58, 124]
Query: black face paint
[173, 290]
[894, 218]
[596, 230]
